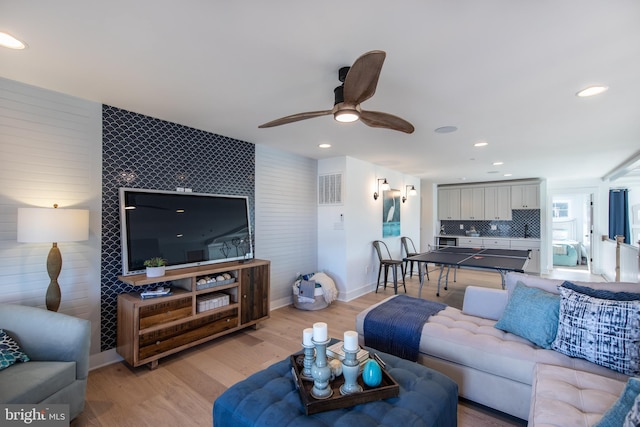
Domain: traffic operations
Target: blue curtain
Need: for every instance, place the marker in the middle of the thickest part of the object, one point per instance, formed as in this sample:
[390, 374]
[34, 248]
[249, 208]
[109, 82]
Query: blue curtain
[619, 214]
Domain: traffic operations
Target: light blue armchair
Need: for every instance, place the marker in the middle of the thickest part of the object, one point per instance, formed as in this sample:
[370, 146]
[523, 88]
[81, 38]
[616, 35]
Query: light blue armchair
[58, 346]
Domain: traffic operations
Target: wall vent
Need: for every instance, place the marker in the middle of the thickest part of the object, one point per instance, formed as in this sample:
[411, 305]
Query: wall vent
[330, 189]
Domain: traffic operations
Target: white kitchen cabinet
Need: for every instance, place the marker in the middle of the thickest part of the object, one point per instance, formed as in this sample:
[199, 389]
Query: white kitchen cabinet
[470, 242]
[496, 243]
[497, 203]
[472, 203]
[448, 204]
[525, 196]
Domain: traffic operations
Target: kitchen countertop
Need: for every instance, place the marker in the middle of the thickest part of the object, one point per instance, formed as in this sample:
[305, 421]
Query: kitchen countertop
[487, 237]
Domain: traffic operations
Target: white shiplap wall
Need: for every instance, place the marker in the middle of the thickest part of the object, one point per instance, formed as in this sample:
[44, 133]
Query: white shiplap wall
[50, 152]
[286, 218]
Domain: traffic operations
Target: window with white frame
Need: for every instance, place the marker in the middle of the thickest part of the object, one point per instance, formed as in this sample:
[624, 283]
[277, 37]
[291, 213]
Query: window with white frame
[561, 209]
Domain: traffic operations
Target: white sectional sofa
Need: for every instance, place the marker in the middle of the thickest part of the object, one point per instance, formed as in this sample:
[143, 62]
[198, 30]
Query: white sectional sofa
[509, 373]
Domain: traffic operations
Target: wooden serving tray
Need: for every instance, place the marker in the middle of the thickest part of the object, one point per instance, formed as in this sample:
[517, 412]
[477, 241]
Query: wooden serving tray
[387, 389]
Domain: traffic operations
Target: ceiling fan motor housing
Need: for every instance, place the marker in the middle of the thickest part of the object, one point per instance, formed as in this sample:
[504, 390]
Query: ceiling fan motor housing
[338, 95]
[339, 91]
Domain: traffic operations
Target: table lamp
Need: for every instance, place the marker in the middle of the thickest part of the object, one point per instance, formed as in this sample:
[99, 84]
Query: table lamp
[40, 225]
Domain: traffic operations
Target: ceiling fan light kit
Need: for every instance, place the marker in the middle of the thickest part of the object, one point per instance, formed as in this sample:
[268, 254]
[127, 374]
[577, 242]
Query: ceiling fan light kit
[359, 83]
[346, 116]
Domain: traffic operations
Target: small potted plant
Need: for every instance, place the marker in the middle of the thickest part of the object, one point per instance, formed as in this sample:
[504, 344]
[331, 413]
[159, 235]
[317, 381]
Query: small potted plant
[155, 266]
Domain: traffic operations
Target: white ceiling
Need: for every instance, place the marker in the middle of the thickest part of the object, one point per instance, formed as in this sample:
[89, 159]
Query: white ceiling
[504, 71]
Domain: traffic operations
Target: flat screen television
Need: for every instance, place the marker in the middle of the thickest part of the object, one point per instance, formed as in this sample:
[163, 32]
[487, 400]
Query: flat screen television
[186, 229]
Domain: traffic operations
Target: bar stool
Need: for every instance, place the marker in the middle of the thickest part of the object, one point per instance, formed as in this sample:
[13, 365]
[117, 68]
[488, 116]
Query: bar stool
[387, 262]
[411, 251]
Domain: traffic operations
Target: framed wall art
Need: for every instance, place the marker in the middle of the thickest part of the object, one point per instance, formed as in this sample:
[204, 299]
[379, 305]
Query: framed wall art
[390, 213]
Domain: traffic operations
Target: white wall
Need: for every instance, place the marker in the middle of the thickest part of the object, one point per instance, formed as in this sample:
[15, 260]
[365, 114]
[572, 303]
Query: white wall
[333, 223]
[345, 251]
[50, 152]
[634, 201]
[428, 214]
[285, 220]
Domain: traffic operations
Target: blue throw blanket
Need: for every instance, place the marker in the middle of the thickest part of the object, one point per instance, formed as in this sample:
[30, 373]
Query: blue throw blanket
[395, 326]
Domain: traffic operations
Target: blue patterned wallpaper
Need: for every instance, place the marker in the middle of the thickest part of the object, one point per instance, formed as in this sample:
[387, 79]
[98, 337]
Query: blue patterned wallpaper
[143, 152]
[513, 228]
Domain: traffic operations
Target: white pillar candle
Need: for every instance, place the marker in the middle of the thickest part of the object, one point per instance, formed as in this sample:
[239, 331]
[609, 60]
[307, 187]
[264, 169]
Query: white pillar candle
[320, 332]
[307, 335]
[351, 341]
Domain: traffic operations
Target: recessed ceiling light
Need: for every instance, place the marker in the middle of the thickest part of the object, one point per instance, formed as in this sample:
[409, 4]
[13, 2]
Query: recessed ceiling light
[507, 174]
[7, 40]
[481, 144]
[446, 129]
[498, 163]
[592, 90]
[324, 145]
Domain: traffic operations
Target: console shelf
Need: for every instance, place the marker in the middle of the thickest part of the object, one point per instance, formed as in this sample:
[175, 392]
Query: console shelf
[149, 329]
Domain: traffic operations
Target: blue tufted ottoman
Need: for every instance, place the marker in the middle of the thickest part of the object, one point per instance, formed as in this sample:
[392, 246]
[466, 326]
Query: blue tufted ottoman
[269, 398]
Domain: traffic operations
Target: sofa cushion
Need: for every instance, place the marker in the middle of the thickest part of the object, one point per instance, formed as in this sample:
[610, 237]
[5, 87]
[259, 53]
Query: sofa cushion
[34, 381]
[551, 285]
[615, 416]
[10, 351]
[484, 302]
[605, 332]
[568, 397]
[532, 314]
[475, 342]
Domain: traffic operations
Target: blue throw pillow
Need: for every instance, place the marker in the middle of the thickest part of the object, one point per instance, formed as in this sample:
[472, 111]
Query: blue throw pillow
[532, 314]
[633, 416]
[615, 416]
[602, 293]
[10, 351]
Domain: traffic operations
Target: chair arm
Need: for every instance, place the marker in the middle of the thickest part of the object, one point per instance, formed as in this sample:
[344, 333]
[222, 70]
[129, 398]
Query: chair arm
[49, 336]
[484, 302]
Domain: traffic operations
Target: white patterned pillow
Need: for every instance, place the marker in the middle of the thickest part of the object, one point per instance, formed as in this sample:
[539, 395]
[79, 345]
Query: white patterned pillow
[605, 332]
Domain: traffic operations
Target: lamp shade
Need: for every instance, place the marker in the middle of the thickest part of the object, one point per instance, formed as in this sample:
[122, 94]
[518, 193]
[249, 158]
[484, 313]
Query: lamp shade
[40, 225]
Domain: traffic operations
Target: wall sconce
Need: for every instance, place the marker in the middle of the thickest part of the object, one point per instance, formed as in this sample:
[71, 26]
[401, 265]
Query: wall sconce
[385, 187]
[411, 192]
[46, 225]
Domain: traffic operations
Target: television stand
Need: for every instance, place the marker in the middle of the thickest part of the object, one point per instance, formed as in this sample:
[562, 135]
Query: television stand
[198, 310]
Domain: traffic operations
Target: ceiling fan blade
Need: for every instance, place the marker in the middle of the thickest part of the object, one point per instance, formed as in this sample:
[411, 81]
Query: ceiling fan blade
[362, 78]
[295, 118]
[377, 119]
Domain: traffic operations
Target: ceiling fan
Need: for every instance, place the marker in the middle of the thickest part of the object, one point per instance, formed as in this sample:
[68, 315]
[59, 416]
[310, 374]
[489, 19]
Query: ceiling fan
[358, 84]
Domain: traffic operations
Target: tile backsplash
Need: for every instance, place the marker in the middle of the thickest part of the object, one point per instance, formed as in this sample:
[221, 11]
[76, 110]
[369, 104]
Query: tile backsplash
[522, 219]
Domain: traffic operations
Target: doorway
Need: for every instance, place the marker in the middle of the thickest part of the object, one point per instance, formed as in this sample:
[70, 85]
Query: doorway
[572, 231]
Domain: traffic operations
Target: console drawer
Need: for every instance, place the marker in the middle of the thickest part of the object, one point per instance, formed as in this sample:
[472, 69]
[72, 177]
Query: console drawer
[160, 341]
[163, 312]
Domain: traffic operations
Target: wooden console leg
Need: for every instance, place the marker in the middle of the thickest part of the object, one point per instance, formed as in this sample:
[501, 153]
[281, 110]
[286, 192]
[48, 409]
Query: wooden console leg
[153, 364]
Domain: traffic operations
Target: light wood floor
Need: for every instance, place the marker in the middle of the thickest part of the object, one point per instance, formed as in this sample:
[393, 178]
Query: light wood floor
[181, 391]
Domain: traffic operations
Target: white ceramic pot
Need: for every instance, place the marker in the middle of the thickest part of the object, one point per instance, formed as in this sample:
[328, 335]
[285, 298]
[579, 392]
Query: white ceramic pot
[155, 271]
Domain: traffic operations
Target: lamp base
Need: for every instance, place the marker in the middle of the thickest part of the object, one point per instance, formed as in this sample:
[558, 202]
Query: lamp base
[54, 266]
